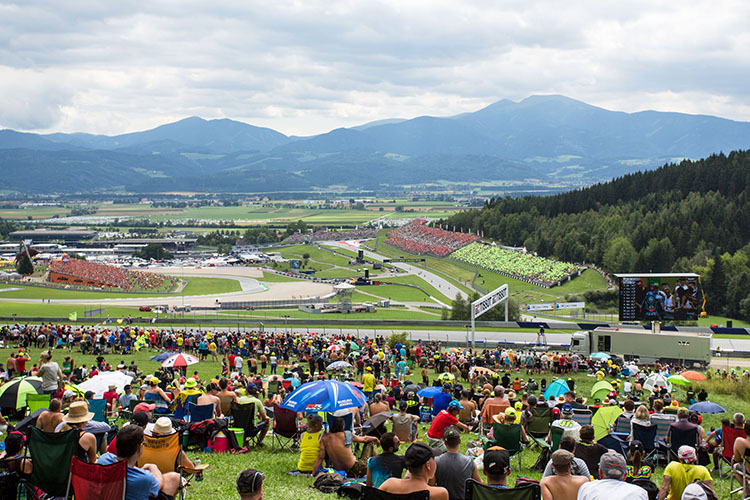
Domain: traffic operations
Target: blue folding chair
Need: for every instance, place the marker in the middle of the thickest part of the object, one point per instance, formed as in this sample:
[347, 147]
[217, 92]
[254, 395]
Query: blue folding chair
[199, 413]
[181, 411]
[646, 434]
[99, 408]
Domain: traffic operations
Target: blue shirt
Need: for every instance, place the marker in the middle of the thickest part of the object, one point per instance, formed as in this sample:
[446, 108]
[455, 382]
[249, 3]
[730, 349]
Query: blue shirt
[440, 402]
[385, 466]
[140, 484]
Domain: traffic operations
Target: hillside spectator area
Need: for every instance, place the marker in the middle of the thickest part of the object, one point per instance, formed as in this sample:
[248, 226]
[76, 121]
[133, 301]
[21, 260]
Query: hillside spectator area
[84, 273]
[514, 264]
[415, 237]
[326, 235]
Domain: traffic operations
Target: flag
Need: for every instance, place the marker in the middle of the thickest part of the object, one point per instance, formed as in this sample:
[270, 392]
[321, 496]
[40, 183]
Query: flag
[73, 316]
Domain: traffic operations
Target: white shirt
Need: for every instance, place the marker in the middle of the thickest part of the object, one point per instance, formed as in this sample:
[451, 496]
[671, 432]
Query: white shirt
[238, 363]
[611, 489]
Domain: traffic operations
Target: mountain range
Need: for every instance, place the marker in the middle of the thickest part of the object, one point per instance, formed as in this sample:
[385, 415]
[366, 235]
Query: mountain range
[539, 139]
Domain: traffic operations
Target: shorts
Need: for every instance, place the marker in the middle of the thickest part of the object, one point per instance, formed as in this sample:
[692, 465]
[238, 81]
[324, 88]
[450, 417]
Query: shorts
[359, 469]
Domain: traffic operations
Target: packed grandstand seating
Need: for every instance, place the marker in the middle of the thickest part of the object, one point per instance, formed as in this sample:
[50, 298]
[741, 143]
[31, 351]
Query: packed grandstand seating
[326, 235]
[108, 276]
[416, 237]
[519, 265]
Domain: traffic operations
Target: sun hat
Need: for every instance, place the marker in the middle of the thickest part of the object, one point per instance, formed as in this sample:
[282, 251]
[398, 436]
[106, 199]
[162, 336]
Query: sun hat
[68, 394]
[113, 387]
[190, 383]
[163, 425]
[78, 413]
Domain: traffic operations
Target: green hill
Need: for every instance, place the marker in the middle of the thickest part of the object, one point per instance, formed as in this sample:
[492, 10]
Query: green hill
[688, 217]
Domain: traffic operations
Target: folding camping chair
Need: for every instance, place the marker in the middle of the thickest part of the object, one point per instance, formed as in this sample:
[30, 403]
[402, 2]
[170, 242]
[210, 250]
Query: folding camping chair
[181, 408]
[728, 436]
[488, 412]
[743, 471]
[244, 418]
[539, 426]
[662, 423]
[199, 413]
[646, 434]
[164, 451]
[679, 438]
[99, 408]
[583, 417]
[286, 433]
[127, 413]
[555, 435]
[97, 482]
[622, 424]
[48, 450]
[36, 402]
[225, 404]
[478, 491]
[507, 436]
[370, 493]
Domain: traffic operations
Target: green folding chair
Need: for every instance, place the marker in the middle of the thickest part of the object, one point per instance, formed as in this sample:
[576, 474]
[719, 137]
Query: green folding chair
[507, 436]
[37, 402]
[48, 452]
[539, 426]
[555, 435]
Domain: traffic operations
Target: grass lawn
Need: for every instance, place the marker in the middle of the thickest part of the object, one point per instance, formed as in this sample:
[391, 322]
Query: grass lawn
[219, 480]
[208, 286]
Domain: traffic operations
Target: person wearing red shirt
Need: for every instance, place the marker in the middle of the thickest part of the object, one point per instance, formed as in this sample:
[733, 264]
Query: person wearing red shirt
[111, 397]
[21, 360]
[442, 421]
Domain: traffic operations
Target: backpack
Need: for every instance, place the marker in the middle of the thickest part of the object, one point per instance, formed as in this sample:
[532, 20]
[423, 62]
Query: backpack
[328, 482]
[350, 489]
[651, 489]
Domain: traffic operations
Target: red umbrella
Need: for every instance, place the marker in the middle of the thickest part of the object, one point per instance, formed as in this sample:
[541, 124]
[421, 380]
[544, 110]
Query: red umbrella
[358, 385]
[693, 375]
[179, 360]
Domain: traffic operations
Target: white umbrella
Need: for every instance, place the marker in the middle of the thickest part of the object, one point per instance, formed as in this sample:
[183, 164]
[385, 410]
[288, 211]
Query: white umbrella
[99, 384]
[655, 380]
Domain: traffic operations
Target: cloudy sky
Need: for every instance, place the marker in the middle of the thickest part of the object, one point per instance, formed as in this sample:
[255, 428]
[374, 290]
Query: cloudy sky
[305, 67]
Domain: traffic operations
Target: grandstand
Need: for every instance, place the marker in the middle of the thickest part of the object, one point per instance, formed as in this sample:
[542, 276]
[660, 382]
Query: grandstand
[415, 237]
[518, 265]
[85, 273]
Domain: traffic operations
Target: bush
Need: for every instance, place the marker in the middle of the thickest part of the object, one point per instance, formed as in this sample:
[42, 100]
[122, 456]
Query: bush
[402, 337]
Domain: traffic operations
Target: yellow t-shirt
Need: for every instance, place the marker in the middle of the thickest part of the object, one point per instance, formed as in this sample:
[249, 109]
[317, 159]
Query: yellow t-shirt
[309, 450]
[368, 382]
[180, 340]
[682, 475]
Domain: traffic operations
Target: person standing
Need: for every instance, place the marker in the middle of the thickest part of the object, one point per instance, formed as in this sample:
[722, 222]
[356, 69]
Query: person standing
[454, 468]
[52, 377]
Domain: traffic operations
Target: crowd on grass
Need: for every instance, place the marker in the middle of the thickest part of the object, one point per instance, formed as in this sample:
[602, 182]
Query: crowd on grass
[519, 265]
[418, 238]
[332, 235]
[489, 392]
[109, 276]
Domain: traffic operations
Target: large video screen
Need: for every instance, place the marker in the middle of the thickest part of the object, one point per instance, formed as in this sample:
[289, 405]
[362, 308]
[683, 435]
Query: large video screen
[660, 298]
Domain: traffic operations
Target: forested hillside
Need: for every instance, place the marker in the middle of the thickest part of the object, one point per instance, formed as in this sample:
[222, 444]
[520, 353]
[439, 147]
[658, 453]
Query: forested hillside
[677, 218]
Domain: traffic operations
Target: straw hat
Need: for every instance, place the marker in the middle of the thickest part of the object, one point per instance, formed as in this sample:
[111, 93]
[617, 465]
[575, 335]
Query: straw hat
[162, 426]
[78, 413]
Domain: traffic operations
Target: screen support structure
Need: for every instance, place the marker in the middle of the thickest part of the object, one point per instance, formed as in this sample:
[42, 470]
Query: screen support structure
[484, 304]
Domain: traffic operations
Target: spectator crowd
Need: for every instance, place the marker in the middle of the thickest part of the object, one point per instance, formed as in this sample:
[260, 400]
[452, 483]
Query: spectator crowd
[418, 238]
[108, 276]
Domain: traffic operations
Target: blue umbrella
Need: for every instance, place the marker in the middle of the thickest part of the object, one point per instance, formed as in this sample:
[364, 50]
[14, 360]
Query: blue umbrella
[338, 365]
[324, 395]
[430, 392]
[600, 355]
[162, 356]
[706, 407]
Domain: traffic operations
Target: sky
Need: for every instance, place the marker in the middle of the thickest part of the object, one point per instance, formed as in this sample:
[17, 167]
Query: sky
[307, 67]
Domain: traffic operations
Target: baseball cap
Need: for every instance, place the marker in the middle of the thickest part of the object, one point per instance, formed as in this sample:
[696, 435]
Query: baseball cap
[418, 454]
[496, 461]
[252, 388]
[561, 457]
[140, 418]
[687, 454]
[693, 491]
[447, 386]
[143, 407]
[567, 409]
[451, 433]
[612, 466]
[455, 404]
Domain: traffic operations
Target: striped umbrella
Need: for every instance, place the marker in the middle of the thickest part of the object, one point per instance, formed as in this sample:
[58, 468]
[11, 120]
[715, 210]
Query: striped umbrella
[179, 360]
[13, 394]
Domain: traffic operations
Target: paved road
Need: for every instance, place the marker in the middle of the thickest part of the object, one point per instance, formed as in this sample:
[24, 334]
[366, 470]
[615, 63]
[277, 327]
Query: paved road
[441, 284]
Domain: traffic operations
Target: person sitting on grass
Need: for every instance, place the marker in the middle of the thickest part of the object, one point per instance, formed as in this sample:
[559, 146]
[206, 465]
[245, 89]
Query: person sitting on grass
[142, 483]
[387, 464]
[420, 462]
[310, 443]
[443, 420]
[250, 484]
[340, 457]
[404, 424]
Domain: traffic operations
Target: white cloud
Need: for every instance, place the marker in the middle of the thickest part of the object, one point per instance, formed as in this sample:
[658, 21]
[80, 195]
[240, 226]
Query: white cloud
[306, 67]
